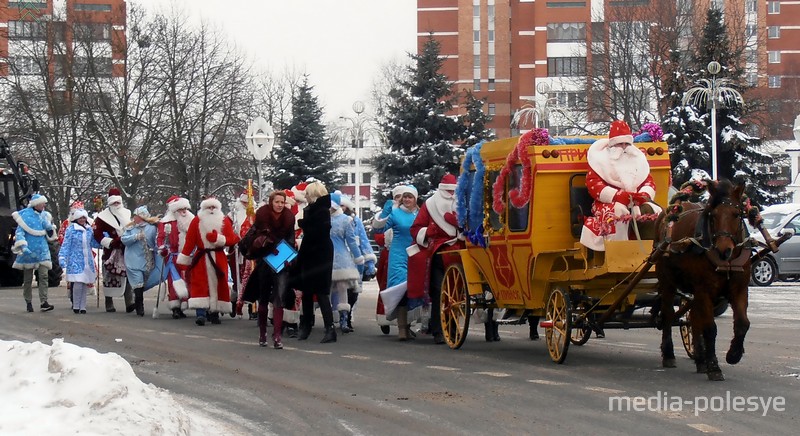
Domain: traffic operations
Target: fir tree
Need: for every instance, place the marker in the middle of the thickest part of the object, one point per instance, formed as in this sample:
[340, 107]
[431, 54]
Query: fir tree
[305, 152]
[421, 136]
[688, 129]
[476, 120]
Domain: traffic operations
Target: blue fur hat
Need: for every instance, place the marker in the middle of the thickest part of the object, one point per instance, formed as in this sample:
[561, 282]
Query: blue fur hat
[142, 212]
[336, 200]
[37, 199]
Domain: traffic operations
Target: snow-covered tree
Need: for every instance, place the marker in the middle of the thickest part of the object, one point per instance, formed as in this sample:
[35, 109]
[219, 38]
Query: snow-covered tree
[305, 151]
[476, 120]
[422, 138]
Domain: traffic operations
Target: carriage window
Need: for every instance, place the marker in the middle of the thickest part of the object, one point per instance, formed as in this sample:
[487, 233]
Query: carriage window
[494, 218]
[517, 217]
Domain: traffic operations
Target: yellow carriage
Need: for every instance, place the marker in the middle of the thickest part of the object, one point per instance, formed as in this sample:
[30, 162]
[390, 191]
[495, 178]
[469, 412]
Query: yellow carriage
[528, 258]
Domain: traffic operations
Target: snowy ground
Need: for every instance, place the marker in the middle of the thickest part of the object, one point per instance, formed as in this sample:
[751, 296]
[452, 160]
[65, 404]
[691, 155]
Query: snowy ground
[64, 389]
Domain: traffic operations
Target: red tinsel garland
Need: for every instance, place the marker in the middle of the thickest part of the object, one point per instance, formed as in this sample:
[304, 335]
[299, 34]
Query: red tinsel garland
[520, 196]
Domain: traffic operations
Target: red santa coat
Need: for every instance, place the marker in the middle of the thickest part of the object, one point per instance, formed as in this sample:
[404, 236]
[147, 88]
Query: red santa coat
[207, 264]
[171, 240]
[603, 181]
[431, 233]
[109, 227]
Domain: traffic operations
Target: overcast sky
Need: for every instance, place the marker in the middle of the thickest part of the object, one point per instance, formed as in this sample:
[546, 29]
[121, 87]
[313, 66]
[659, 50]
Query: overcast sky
[341, 44]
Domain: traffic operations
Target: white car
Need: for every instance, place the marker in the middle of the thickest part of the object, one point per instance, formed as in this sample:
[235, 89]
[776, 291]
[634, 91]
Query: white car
[785, 264]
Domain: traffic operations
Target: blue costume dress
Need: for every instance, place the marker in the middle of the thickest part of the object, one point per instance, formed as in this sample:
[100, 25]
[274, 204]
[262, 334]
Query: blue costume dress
[140, 242]
[399, 221]
[75, 255]
[346, 256]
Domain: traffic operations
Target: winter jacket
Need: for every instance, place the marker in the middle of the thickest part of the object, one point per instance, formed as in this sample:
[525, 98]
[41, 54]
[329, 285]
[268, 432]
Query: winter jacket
[346, 252]
[140, 242]
[315, 257]
[75, 255]
[34, 229]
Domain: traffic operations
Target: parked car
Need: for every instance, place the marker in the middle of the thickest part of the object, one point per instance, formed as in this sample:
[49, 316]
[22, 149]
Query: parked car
[785, 264]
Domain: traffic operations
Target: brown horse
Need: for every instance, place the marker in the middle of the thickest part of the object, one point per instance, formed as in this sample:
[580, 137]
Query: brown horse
[708, 257]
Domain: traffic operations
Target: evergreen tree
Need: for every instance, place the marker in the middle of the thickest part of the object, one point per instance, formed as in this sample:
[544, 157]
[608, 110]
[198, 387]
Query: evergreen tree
[476, 120]
[305, 152]
[688, 129]
[421, 136]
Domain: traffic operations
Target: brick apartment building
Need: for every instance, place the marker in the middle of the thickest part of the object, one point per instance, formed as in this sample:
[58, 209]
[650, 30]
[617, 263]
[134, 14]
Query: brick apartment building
[62, 36]
[519, 53]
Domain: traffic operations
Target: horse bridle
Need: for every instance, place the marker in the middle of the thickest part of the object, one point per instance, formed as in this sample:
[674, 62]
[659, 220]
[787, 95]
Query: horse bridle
[724, 234]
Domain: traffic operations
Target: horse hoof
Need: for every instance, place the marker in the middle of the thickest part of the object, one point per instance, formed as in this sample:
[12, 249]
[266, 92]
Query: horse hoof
[715, 376]
[668, 363]
[734, 357]
[702, 368]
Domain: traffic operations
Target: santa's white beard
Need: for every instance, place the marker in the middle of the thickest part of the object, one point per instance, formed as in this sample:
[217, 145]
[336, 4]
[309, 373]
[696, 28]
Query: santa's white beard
[629, 166]
[184, 219]
[210, 219]
[116, 208]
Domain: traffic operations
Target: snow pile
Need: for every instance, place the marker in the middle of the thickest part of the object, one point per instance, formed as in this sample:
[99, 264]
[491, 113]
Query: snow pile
[67, 389]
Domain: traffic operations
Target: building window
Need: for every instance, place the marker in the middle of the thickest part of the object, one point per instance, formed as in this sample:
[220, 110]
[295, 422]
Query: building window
[366, 178]
[25, 65]
[92, 7]
[92, 32]
[750, 30]
[476, 85]
[773, 32]
[752, 79]
[628, 3]
[566, 4]
[751, 56]
[476, 62]
[569, 99]
[27, 30]
[718, 5]
[773, 7]
[490, 11]
[492, 109]
[774, 81]
[27, 4]
[476, 10]
[491, 35]
[751, 5]
[566, 66]
[774, 57]
[491, 85]
[476, 36]
[491, 61]
[566, 32]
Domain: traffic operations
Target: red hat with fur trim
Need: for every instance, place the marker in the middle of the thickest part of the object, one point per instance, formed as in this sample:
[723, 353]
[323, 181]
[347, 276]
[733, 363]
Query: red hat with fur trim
[176, 203]
[114, 196]
[619, 133]
[300, 191]
[448, 182]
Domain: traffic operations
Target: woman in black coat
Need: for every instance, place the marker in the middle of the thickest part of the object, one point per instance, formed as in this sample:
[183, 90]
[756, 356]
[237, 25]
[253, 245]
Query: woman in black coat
[315, 261]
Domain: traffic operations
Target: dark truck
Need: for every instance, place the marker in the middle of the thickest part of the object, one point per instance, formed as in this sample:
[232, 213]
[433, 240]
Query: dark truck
[17, 186]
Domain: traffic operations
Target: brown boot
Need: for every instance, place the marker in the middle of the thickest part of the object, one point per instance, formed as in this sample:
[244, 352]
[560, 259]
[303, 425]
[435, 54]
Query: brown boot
[402, 323]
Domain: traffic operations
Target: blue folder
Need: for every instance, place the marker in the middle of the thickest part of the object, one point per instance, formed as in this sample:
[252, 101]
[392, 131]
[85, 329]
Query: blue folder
[285, 254]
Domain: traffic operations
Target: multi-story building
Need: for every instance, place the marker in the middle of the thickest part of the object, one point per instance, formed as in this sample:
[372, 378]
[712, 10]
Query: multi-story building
[62, 37]
[556, 56]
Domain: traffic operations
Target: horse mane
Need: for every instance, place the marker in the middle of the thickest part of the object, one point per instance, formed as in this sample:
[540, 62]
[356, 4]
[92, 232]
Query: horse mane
[719, 191]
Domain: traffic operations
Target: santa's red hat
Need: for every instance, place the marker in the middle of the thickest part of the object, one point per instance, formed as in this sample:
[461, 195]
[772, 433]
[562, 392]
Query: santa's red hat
[300, 191]
[448, 182]
[209, 202]
[176, 203]
[114, 196]
[620, 132]
[77, 204]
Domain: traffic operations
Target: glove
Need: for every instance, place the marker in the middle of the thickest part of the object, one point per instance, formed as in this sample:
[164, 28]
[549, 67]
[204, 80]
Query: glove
[212, 236]
[275, 251]
[623, 197]
[450, 218]
[620, 210]
[163, 252]
[387, 208]
[640, 198]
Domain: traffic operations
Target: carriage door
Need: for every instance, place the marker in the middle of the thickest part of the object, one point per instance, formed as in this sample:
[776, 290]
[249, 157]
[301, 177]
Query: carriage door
[518, 238]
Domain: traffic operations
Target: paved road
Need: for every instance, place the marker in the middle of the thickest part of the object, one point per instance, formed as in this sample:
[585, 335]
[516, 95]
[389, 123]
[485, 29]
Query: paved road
[368, 383]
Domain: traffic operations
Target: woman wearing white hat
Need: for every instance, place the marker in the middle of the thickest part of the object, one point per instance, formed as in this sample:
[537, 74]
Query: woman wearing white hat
[75, 257]
[140, 241]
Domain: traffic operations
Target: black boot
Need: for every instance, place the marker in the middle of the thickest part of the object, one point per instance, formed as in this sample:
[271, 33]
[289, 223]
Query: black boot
[489, 331]
[305, 330]
[495, 330]
[214, 318]
[330, 335]
[138, 295]
[176, 313]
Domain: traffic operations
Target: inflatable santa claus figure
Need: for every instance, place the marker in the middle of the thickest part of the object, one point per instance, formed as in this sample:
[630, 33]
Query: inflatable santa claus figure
[619, 181]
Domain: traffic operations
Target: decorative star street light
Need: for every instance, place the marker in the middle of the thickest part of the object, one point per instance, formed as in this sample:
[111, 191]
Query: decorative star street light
[709, 93]
[538, 113]
[259, 140]
[361, 126]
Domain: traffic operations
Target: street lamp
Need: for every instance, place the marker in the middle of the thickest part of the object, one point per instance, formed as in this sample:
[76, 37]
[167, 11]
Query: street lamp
[709, 92]
[259, 140]
[539, 112]
[357, 134]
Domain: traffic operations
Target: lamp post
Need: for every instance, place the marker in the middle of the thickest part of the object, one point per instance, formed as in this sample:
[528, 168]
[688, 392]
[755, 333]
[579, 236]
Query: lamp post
[539, 112]
[710, 92]
[260, 139]
[357, 135]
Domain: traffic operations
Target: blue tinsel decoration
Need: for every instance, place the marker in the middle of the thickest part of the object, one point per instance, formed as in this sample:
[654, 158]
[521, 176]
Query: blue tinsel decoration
[469, 194]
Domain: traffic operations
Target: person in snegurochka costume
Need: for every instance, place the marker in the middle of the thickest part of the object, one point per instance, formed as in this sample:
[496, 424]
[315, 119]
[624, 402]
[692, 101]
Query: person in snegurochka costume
[384, 241]
[140, 243]
[434, 229]
[276, 222]
[399, 221]
[315, 261]
[240, 272]
[76, 205]
[346, 258]
[619, 181]
[76, 258]
[108, 226]
[170, 240]
[203, 257]
[34, 229]
[368, 268]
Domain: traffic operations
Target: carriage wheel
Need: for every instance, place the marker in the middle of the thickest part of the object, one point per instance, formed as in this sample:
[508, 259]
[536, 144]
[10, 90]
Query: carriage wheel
[580, 335]
[385, 329]
[455, 307]
[686, 336]
[559, 325]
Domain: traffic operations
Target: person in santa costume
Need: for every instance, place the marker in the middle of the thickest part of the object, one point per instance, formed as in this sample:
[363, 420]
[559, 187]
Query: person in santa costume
[203, 257]
[619, 181]
[170, 239]
[109, 225]
[434, 229]
[239, 266]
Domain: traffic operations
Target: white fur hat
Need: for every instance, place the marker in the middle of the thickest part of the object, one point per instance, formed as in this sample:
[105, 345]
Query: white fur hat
[37, 199]
[176, 203]
[210, 202]
[78, 214]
